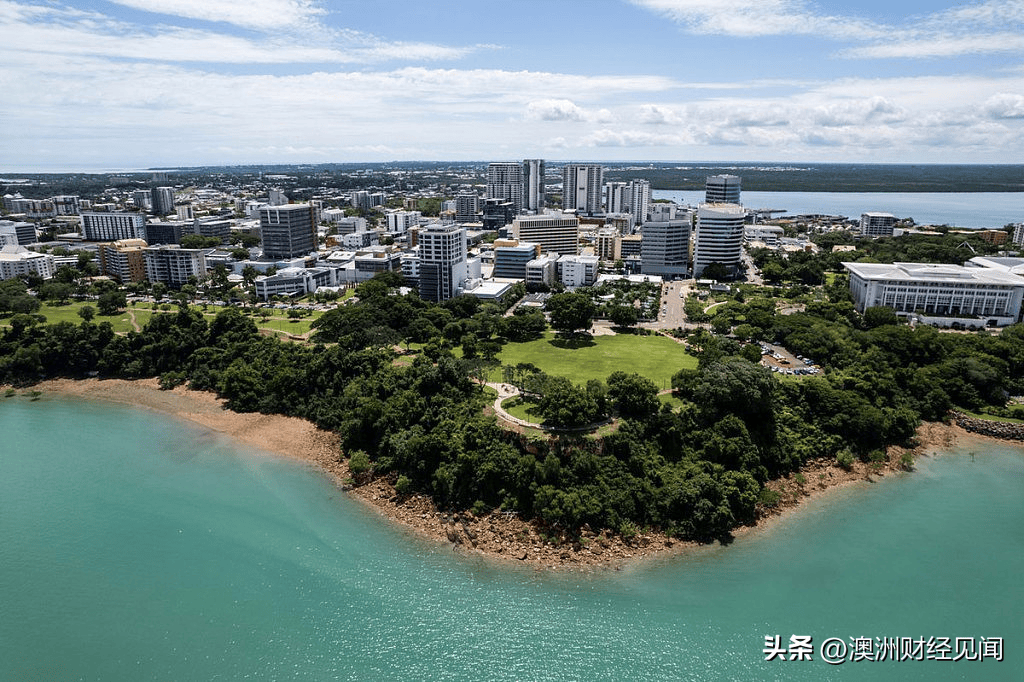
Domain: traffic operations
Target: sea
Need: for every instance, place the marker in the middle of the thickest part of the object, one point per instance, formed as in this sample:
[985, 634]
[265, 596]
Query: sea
[135, 546]
[957, 209]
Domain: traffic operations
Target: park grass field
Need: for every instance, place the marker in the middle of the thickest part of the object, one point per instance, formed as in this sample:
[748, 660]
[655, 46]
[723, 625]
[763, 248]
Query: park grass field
[655, 357]
[69, 313]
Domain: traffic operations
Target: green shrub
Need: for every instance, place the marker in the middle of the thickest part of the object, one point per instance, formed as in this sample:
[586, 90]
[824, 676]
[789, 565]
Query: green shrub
[845, 460]
[359, 463]
[403, 486]
[769, 498]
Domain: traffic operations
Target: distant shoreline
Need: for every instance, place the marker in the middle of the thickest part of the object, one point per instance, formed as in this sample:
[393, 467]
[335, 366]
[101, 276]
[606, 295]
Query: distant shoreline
[495, 536]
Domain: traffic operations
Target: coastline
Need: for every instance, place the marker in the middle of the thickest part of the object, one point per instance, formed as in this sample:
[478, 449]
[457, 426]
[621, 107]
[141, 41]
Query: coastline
[502, 537]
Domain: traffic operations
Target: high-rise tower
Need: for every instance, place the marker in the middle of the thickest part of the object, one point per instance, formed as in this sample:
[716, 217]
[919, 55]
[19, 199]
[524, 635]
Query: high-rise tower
[533, 184]
[581, 187]
[505, 181]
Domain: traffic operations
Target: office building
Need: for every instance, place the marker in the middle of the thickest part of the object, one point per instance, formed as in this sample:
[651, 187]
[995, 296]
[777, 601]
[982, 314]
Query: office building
[533, 185]
[581, 187]
[1018, 234]
[124, 260]
[498, 213]
[374, 259]
[555, 232]
[511, 257]
[109, 227]
[877, 224]
[18, 232]
[722, 189]
[665, 248]
[276, 197]
[505, 182]
[719, 237]
[294, 282]
[159, 232]
[661, 211]
[442, 261]
[163, 200]
[939, 294]
[288, 231]
[173, 265]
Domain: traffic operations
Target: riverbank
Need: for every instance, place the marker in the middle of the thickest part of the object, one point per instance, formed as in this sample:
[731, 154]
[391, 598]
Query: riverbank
[497, 535]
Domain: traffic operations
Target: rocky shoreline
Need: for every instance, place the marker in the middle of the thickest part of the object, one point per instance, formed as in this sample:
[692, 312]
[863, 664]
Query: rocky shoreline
[991, 429]
[498, 535]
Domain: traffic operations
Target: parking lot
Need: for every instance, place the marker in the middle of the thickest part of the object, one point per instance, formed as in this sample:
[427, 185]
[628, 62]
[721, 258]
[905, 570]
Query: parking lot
[781, 361]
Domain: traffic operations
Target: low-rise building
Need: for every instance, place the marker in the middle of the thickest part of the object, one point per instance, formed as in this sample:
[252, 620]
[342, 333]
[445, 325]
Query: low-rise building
[294, 282]
[939, 294]
[577, 271]
[16, 261]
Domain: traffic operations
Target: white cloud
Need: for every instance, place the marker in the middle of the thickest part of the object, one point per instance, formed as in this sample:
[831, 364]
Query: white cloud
[1005, 105]
[632, 138]
[656, 114]
[750, 18]
[940, 45]
[554, 110]
[60, 30]
[256, 14]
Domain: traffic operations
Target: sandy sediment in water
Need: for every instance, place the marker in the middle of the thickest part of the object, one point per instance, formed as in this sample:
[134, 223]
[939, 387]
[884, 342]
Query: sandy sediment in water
[497, 535]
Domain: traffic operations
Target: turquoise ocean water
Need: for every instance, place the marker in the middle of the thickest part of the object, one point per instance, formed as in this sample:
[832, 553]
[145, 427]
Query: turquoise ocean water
[136, 547]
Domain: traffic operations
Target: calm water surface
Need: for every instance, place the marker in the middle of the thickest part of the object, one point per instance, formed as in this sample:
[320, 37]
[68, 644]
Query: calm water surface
[959, 209]
[133, 547]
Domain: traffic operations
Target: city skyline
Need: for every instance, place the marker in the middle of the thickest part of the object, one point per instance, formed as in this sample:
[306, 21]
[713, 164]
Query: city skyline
[136, 83]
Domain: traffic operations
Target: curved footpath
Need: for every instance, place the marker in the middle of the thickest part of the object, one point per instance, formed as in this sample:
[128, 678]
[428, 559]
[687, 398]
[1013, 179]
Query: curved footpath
[497, 535]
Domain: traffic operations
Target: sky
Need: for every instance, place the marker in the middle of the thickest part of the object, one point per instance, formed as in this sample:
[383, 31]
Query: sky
[147, 83]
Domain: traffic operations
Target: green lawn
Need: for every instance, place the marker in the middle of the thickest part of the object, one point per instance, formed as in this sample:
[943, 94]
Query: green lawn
[525, 410]
[69, 313]
[654, 357]
[989, 417]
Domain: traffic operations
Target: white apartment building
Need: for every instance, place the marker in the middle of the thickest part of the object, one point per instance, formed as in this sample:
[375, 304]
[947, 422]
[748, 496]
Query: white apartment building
[616, 197]
[399, 222]
[937, 293]
[582, 184]
[719, 236]
[443, 269]
[877, 224]
[173, 265]
[1018, 234]
[639, 200]
[109, 227]
[16, 261]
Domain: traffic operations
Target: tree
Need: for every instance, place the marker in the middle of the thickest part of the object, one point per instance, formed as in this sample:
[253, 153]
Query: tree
[878, 316]
[570, 312]
[111, 303]
[87, 312]
[633, 395]
[625, 316]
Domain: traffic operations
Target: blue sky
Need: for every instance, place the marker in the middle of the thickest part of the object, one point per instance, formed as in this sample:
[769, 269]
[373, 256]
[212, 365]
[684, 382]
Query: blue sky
[139, 83]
